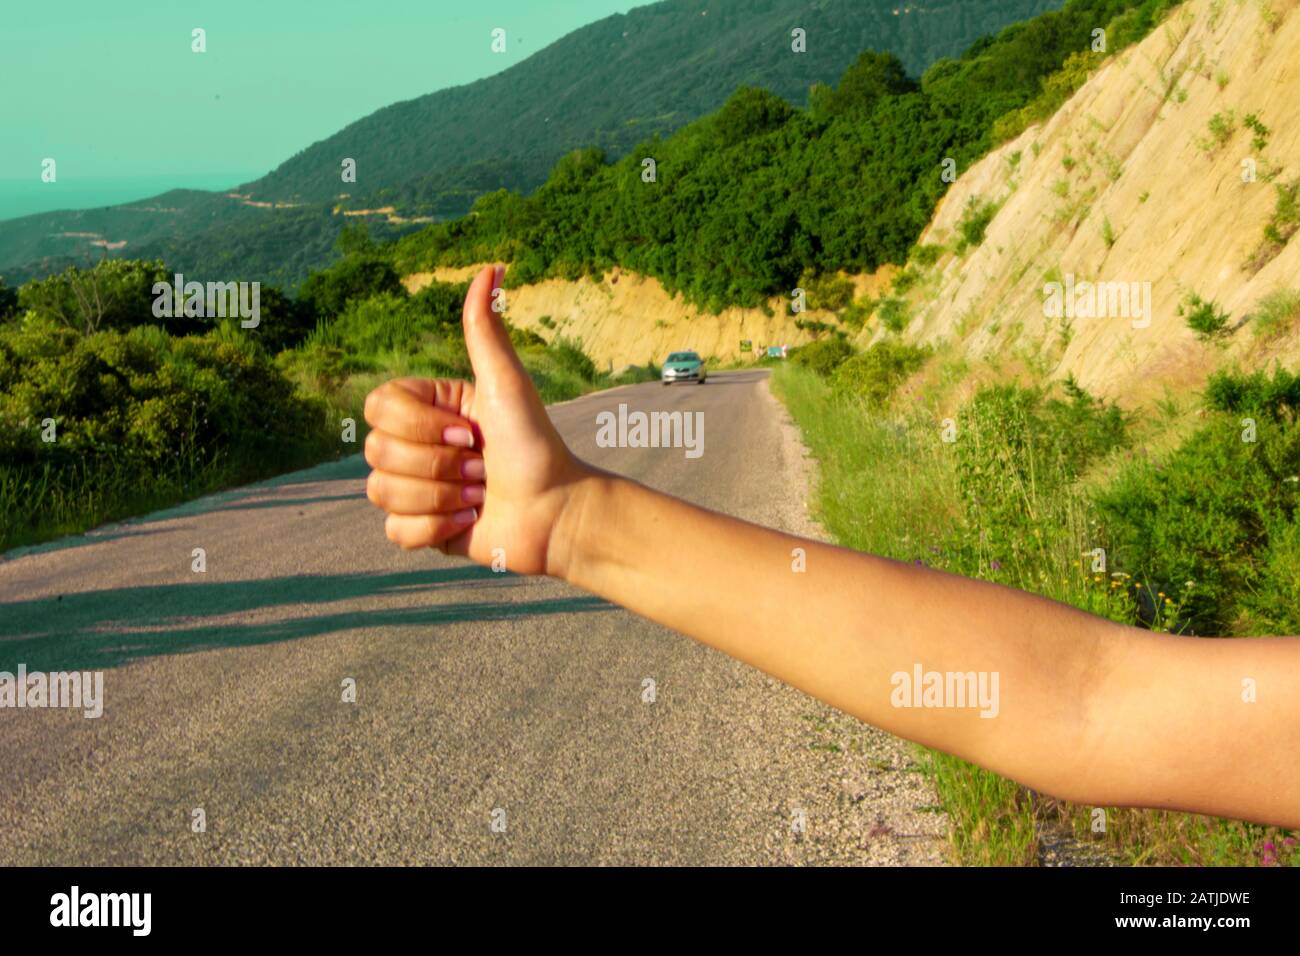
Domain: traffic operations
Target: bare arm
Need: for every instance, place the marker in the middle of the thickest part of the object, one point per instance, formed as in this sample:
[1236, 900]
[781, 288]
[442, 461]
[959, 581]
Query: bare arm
[1069, 704]
[1083, 709]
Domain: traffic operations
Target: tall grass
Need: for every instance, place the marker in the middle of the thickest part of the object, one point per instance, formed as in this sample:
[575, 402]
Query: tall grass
[1007, 505]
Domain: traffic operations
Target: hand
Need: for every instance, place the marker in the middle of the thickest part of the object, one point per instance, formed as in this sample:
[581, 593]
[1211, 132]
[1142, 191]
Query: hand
[472, 468]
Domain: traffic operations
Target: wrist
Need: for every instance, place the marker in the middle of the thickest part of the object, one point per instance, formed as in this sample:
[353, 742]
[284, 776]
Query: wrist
[569, 539]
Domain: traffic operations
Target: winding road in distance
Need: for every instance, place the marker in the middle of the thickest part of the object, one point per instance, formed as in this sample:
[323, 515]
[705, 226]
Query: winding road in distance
[480, 697]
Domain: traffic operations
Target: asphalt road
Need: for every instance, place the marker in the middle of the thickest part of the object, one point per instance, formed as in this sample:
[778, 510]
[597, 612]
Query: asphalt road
[497, 720]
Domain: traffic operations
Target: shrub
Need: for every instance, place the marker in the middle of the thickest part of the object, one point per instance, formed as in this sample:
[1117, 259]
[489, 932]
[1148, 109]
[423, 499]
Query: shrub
[143, 395]
[1272, 605]
[1200, 529]
[1017, 452]
[1282, 225]
[135, 412]
[1204, 317]
[1221, 127]
[830, 291]
[1082, 429]
[875, 374]
[927, 255]
[894, 314]
[329, 291]
[1253, 123]
[856, 315]
[975, 219]
[282, 322]
[1277, 397]
[522, 338]
[1286, 213]
[905, 280]
[1056, 89]
[1277, 313]
[112, 294]
[570, 356]
[823, 356]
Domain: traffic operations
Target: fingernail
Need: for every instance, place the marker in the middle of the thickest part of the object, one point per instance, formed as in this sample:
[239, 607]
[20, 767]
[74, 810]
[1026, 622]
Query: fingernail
[498, 276]
[458, 435]
[468, 516]
[473, 469]
[472, 494]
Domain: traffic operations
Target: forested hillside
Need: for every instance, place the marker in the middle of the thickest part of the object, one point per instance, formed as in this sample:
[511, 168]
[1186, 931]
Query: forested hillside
[619, 81]
[746, 201]
[610, 84]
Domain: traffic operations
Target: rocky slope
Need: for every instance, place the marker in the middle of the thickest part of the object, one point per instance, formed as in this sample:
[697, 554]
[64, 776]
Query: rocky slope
[1128, 182]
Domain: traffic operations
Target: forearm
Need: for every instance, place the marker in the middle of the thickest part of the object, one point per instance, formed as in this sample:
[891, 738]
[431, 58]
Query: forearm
[844, 625]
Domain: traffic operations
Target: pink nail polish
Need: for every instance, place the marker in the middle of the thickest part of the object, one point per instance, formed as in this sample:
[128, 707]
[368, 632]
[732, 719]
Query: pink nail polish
[468, 516]
[498, 276]
[473, 469]
[473, 494]
[458, 435]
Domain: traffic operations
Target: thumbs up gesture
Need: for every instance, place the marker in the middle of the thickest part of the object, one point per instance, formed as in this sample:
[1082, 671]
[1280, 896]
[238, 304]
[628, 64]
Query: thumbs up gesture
[470, 468]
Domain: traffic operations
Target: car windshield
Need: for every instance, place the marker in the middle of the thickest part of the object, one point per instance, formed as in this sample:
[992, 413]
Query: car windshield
[683, 357]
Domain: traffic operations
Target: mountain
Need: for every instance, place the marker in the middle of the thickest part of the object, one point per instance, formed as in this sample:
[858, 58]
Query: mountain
[621, 81]
[613, 84]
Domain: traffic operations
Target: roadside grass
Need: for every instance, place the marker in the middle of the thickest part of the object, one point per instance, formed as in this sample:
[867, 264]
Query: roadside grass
[1010, 505]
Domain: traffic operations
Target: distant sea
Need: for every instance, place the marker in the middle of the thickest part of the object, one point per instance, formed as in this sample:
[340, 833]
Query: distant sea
[23, 197]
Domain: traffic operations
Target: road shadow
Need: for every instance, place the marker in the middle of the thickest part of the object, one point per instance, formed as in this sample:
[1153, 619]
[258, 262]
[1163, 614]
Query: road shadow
[289, 502]
[103, 629]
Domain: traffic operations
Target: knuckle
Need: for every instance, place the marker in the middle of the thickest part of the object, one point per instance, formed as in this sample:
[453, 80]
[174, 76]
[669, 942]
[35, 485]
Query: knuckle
[444, 462]
[373, 402]
[432, 530]
[426, 427]
[374, 448]
[447, 496]
[374, 489]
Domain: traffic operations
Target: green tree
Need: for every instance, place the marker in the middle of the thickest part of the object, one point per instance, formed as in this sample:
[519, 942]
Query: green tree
[327, 293]
[112, 294]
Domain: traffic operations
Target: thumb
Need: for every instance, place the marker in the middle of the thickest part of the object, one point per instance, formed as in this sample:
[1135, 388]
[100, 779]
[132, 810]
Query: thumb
[491, 352]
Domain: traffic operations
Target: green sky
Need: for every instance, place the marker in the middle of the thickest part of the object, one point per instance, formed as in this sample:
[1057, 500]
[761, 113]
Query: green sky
[113, 90]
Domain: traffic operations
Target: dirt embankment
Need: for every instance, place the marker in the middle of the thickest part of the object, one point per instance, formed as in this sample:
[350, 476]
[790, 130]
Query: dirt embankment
[1149, 174]
[629, 319]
